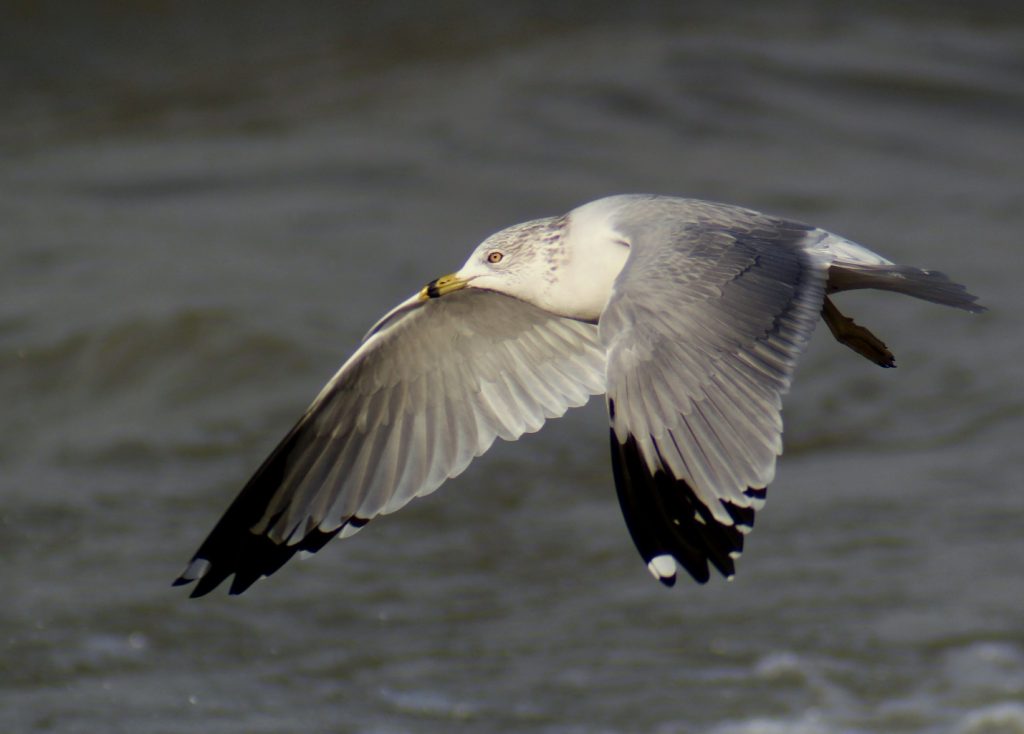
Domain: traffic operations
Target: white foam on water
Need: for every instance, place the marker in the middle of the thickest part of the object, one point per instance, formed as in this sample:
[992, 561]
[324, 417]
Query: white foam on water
[1000, 718]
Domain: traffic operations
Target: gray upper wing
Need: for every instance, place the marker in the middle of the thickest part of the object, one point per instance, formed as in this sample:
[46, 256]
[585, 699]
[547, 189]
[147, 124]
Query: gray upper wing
[704, 327]
[432, 386]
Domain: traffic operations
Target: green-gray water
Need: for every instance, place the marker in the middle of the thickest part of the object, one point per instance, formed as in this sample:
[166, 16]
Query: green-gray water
[201, 212]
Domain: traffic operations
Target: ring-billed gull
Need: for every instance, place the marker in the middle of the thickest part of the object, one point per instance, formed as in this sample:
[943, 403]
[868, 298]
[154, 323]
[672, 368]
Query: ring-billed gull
[688, 315]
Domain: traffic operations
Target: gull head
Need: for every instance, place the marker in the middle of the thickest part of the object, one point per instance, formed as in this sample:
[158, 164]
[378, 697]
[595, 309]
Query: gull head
[521, 261]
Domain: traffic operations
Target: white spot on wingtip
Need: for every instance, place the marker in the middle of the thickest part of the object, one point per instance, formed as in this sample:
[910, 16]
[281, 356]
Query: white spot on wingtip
[662, 567]
[349, 530]
[735, 554]
[195, 570]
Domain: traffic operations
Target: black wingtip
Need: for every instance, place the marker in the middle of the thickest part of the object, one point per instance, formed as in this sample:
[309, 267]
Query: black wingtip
[232, 549]
[664, 517]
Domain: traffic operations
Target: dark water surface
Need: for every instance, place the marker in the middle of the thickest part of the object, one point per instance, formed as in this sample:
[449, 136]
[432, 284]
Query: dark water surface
[202, 210]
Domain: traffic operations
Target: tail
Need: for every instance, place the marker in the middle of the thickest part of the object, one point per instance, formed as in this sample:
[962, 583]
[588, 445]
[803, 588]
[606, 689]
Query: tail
[929, 285]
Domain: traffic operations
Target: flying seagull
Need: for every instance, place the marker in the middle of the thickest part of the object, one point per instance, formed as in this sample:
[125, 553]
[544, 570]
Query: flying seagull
[688, 315]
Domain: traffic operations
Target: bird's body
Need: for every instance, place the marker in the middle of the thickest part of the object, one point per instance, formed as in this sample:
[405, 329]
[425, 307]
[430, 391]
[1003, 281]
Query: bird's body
[689, 315]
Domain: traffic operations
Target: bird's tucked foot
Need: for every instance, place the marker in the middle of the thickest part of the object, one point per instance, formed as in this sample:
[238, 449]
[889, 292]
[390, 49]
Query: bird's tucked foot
[856, 337]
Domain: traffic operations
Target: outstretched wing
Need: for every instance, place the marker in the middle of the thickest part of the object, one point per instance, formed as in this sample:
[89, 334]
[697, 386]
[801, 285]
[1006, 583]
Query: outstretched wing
[704, 327]
[431, 387]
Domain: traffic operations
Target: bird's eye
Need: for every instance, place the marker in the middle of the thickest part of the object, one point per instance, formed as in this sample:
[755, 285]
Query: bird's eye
[494, 257]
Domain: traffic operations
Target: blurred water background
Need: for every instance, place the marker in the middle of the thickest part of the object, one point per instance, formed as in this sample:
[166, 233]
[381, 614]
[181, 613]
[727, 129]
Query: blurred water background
[204, 206]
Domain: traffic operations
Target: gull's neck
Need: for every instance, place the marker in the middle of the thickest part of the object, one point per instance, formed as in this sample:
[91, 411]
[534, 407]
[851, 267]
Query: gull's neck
[584, 262]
